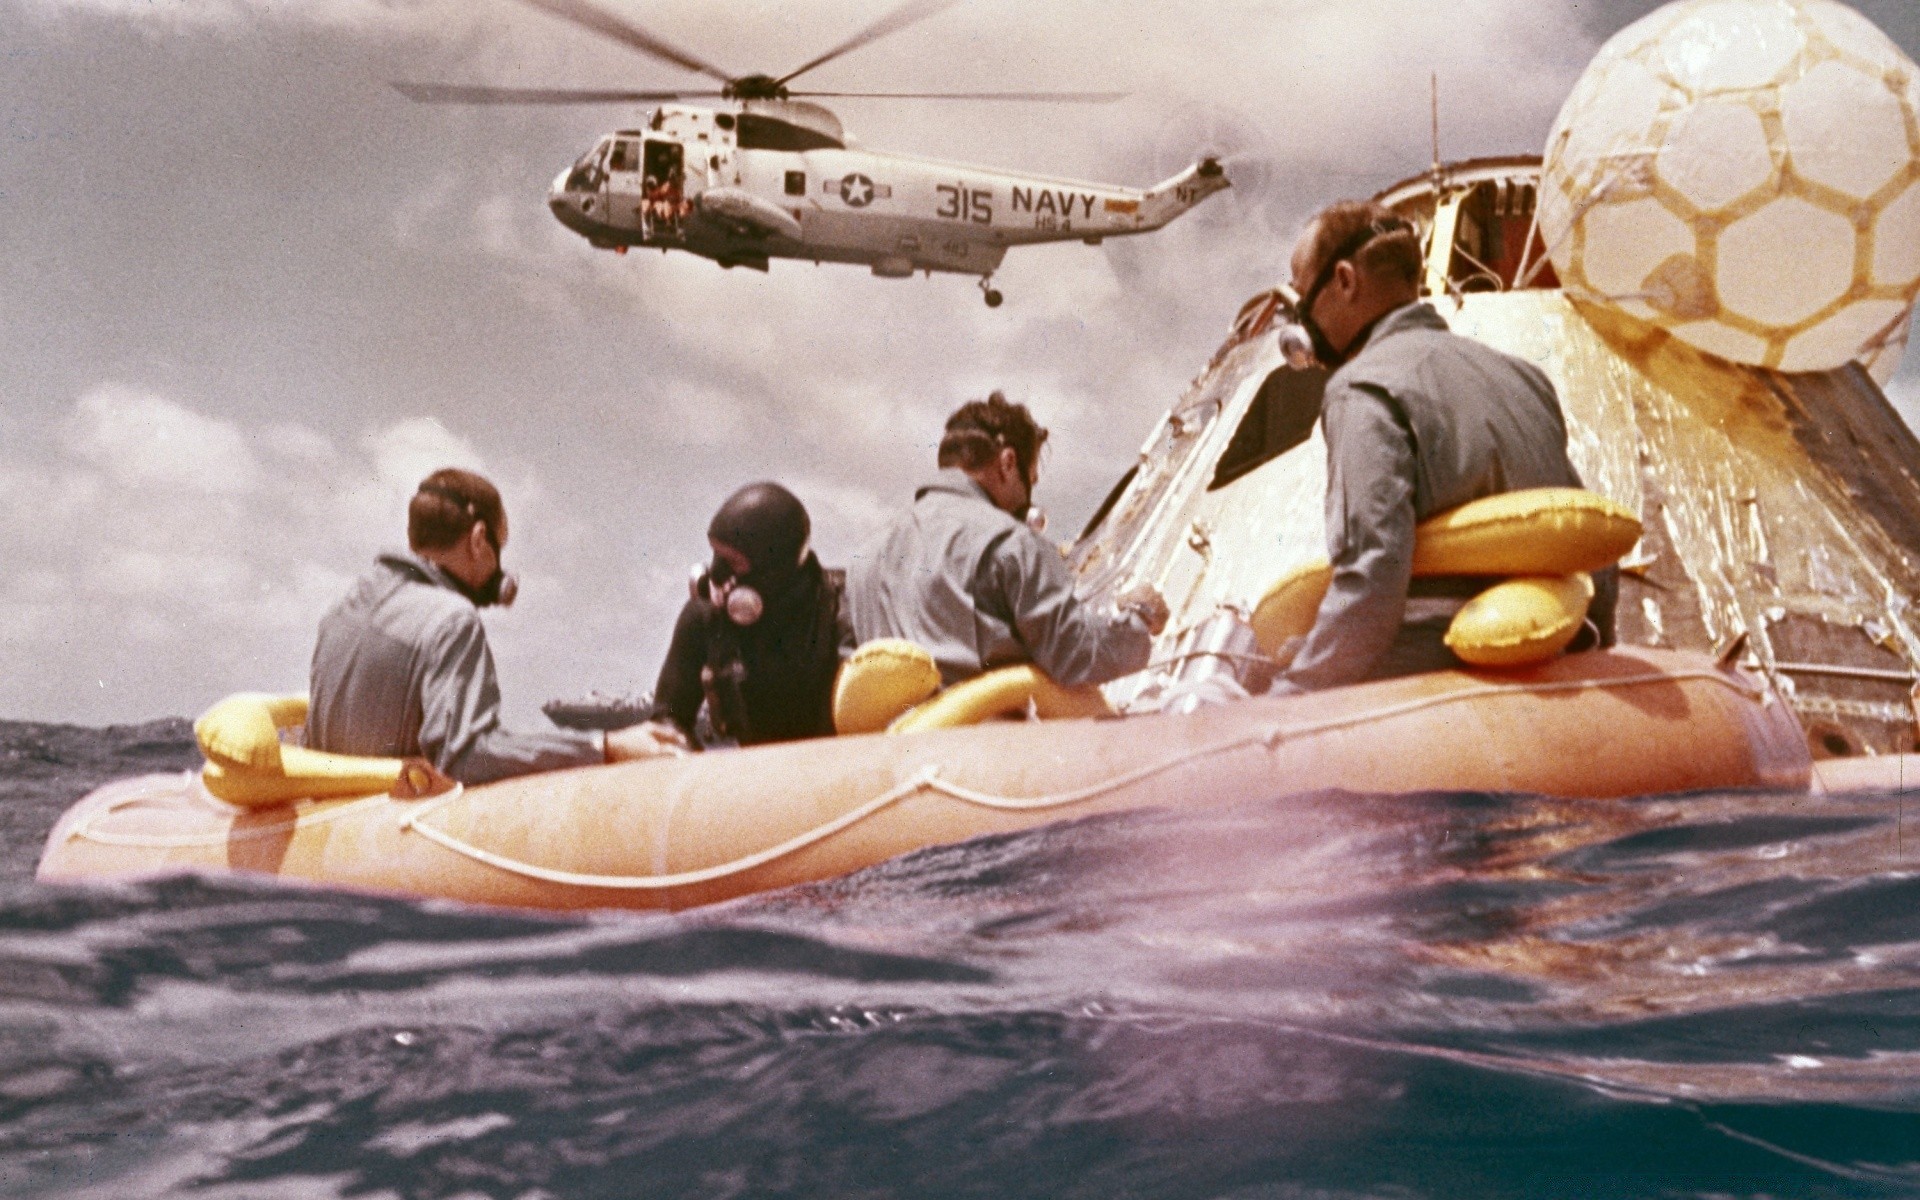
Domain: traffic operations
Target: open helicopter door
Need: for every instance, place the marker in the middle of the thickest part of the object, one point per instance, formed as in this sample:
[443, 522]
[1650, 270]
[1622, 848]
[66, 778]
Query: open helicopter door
[664, 178]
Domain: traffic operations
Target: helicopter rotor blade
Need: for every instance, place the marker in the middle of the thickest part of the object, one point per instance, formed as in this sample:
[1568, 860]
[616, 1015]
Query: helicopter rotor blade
[600, 21]
[910, 13]
[1026, 97]
[453, 93]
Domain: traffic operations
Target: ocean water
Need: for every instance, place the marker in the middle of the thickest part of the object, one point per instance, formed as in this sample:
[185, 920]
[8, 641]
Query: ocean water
[1326, 995]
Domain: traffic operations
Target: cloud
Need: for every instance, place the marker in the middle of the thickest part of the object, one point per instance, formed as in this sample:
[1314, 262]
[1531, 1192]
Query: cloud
[162, 556]
[140, 441]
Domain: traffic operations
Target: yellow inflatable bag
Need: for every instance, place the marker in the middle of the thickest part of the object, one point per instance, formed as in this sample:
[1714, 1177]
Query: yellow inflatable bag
[243, 731]
[1003, 693]
[1288, 609]
[247, 765]
[1540, 531]
[305, 775]
[1521, 621]
[879, 681]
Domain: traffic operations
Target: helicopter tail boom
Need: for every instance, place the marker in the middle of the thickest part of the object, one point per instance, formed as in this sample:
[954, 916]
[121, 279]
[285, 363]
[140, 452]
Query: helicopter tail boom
[1163, 202]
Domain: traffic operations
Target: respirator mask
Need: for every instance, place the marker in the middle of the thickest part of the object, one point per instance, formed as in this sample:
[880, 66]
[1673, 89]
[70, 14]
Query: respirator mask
[502, 587]
[1302, 342]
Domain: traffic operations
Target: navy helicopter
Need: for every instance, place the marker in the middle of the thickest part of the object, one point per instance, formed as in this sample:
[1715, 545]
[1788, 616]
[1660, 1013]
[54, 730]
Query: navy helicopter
[774, 175]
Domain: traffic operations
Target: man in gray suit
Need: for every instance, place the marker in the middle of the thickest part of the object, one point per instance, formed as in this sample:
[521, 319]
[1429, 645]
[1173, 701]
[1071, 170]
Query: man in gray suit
[401, 667]
[962, 574]
[1418, 420]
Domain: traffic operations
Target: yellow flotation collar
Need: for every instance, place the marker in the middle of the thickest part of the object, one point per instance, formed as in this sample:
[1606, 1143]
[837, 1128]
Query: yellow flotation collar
[893, 684]
[1521, 621]
[247, 765]
[1540, 532]
[879, 681]
[1003, 693]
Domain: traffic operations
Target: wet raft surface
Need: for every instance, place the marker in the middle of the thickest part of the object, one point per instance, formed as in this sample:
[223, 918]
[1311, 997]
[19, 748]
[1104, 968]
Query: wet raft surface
[1323, 995]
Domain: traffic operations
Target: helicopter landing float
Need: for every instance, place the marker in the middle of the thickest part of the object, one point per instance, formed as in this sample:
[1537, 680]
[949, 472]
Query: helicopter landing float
[775, 176]
[777, 179]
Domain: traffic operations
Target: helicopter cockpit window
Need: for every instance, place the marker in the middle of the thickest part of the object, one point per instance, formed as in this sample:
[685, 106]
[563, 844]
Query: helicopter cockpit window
[626, 156]
[586, 175]
[1280, 418]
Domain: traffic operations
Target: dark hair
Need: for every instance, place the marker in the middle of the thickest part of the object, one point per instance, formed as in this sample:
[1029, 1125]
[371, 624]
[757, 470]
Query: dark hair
[447, 504]
[1392, 251]
[979, 428]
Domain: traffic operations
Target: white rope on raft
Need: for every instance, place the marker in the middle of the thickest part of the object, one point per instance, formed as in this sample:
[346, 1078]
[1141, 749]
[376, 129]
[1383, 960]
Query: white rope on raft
[187, 841]
[928, 779]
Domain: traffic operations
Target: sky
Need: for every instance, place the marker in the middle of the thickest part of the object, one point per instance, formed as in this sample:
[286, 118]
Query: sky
[249, 296]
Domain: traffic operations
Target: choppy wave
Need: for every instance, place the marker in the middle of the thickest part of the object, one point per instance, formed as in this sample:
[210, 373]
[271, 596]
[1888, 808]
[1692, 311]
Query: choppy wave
[1321, 995]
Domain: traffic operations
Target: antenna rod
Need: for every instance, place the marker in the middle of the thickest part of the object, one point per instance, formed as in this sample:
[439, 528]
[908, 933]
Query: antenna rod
[1436, 124]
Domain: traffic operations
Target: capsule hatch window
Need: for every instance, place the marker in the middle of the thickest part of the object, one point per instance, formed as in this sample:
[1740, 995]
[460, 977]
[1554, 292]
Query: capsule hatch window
[1281, 417]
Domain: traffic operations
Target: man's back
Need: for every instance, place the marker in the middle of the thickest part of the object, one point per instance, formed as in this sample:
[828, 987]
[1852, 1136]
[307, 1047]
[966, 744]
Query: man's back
[401, 667]
[370, 655]
[980, 590]
[1481, 422]
[917, 581]
[1419, 422]
[962, 575]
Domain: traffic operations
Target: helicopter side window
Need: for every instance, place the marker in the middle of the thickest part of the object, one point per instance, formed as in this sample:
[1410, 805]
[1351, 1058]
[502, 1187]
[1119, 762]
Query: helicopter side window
[1280, 418]
[796, 183]
[626, 156]
[757, 132]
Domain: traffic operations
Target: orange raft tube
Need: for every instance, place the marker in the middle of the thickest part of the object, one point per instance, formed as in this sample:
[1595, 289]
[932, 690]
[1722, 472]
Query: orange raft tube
[673, 833]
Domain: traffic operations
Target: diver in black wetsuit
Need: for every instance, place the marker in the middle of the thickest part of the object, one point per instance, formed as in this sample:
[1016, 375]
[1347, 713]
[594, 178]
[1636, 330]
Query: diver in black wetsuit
[762, 637]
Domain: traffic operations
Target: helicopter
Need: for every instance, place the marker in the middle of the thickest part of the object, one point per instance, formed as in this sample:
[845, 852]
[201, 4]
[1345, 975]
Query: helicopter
[774, 175]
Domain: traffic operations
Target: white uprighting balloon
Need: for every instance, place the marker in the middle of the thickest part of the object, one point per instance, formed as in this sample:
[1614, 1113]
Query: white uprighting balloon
[1746, 175]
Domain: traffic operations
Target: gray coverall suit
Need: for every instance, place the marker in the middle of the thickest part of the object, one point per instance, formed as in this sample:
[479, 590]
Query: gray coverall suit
[1421, 420]
[981, 590]
[401, 668]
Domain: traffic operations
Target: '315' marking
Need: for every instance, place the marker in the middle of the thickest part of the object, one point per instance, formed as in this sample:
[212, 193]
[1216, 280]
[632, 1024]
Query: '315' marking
[965, 204]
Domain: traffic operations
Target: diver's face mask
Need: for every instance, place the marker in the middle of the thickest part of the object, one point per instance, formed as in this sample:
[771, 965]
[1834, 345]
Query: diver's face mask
[725, 590]
[1303, 343]
[501, 588]
[730, 591]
